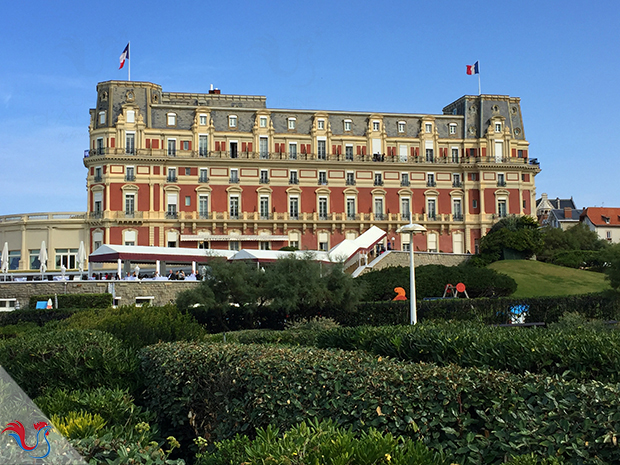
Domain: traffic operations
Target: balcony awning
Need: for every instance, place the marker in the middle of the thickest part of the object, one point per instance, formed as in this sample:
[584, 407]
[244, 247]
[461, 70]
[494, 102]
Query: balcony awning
[229, 237]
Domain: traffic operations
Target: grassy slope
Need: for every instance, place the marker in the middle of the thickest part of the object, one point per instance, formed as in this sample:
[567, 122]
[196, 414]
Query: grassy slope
[543, 279]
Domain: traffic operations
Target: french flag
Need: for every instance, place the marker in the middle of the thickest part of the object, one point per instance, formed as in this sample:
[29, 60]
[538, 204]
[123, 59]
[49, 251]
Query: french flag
[471, 69]
[125, 56]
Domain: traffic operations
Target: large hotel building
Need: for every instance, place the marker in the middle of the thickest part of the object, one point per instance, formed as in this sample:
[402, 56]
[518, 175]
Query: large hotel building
[220, 171]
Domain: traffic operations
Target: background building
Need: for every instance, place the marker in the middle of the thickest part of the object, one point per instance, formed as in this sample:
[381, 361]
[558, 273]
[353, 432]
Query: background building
[605, 221]
[224, 171]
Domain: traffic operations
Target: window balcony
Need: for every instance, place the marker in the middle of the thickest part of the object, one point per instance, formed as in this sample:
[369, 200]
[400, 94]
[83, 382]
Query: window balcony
[203, 152]
[172, 153]
[405, 216]
[233, 216]
[266, 216]
[378, 182]
[322, 182]
[380, 216]
[130, 177]
[204, 215]
[350, 182]
[203, 179]
[325, 216]
[95, 215]
[264, 155]
[233, 180]
[501, 183]
[352, 216]
[431, 184]
[171, 178]
[405, 183]
[130, 151]
[98, 178]
[457, 184]
[170, 215]
[263, 180]
[293, 181]
[432, 217]
[293, 216]
[457, 217]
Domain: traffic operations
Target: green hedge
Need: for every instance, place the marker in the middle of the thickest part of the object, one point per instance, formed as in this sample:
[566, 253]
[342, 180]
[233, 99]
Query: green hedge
[69, 360]
[75, 301]
[580, 352]
[40, 317]
[219, 390]
[140, 326]
[602, 306]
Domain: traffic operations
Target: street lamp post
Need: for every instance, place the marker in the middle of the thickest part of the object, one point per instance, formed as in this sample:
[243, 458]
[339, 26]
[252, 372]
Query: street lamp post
[412, 228]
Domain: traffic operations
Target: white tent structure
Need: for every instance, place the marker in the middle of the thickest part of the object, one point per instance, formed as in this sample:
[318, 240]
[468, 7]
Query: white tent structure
[42, 259]
[81, 257]
[4, 261]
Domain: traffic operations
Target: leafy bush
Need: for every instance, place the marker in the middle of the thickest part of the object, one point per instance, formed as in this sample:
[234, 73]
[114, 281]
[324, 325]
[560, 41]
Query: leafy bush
[40, 317]
[431, 281]
[16, 330]
[78, 425]
[469, 414]
[140, 326]
[321, 442]
[579, 352]
[69, 359]
[74, 301]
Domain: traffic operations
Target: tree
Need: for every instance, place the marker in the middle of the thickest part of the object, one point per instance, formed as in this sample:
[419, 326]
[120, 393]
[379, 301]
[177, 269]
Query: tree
[519, 233]
[613, 270]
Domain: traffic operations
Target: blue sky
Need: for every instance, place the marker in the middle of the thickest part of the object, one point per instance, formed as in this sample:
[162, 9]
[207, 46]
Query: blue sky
[560, 58]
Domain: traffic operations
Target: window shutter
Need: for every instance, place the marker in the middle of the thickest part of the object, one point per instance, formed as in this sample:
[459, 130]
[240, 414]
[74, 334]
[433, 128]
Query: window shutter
[303, 148]
[484, 151]
[190, 145]
[525, 154]
[223, 145]
[363, 150]
[148, 143]
[155, 143]
[334, 148]
[339, 149]
[514, 153]
[113, 142]
[249, 146]
[359, 150]
[417, 151]
[217, 145]
[412, 151]
[308, 149]
[282, 148]
[244, 146]
[277, 147]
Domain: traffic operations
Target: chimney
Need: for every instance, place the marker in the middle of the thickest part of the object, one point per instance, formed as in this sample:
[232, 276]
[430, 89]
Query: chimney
[568, 213]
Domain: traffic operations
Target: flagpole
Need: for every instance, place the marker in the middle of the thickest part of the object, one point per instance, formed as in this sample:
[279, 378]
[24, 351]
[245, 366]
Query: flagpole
[129, 64]
[479, 93]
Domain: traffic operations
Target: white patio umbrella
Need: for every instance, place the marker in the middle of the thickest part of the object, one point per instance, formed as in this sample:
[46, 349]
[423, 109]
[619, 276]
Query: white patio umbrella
[43, 259]
[81, 257]
[4, 262]
[63, 271]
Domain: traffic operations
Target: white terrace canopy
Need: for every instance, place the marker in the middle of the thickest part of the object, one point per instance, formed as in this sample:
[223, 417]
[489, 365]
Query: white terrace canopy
[145, 254]
[263, 256]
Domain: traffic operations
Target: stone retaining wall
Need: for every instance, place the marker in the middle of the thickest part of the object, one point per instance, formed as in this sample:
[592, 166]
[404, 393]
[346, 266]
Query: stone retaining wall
[161, 291]
[399, 258]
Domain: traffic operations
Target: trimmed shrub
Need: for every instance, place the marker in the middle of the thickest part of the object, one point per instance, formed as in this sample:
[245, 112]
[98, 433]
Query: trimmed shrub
[69, 359]
[580, 352]
[74, 301]
[40, 317]
[78, 425]
[471, 414]
[322, 442]
[140, 326]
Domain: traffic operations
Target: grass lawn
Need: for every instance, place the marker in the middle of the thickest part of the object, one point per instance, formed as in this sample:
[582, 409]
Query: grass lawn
[543, 279]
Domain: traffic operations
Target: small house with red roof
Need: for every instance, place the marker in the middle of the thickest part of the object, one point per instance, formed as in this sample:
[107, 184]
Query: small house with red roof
[605, 221]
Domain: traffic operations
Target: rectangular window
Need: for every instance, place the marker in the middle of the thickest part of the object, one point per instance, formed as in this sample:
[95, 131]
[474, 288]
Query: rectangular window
[172, 175]
[172, 119]
[348, 152]
[351, 210]
[203, 145]
[234, 176]
[14, 258]
[293, 208]
[66, 258]
[404, 179]
[291, 123]
[188, 171]
[233, 245]
[171, 210]
[430, 180]
[501, 180]
[347, 124]
[130, 204]
[456, 180]
[232, 121]
[33, 259]
[234, 207]
[263, 122]
[323, 178]
[264, 207]
[130, 173]
[203, 120]
[321, 150]
[188, 201]
[322, 208]
[520, 153]
[203, 175]
[263, 147]
[131, 116]
[264, 245]
[378, 179]
[292, 151]
[98, 203]
[501, 208]
[428, 128]
[264, 177]
[350, 178]
[455, 155]
[474, 203]
[457, 209]
[379, 208]
[452, 128]
[100, 148]
[172, 147]
[203, 206]
[401, 127]
[293, 179]
[375, 126]
[405, 208]
[431, 209]
[102, 117]
[430, 156]
[498, 127]
[320, 124]
[233, 150]
[130, 140]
